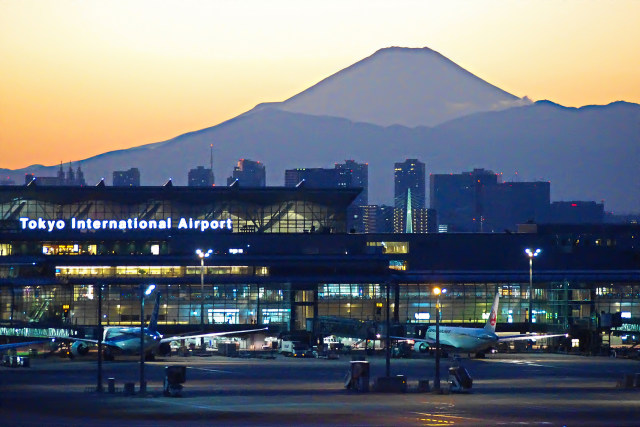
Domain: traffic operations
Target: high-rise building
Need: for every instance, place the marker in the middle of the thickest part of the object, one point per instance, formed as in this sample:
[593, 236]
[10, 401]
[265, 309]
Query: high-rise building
[352, 174]
[385, 218]
[507, 204]
[575, 212]
[369, 215]
[312, 177]
[72, 178]
[458, 198]
[128, 178]
[409, 194]
[200, 177]
[248, 174]
[349, 174]
[478, 201]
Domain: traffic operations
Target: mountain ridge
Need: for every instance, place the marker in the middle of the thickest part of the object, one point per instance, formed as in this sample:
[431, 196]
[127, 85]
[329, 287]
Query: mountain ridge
[588, 153]
[564, 150]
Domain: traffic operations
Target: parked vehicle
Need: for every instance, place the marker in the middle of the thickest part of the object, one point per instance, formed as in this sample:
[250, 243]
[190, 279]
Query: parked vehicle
[295, 349]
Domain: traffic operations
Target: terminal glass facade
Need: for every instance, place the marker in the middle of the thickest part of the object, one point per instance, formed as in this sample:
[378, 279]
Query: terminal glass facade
[556, 305]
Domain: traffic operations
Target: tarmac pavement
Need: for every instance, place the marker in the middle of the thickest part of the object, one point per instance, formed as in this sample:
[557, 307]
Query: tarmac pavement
[508, 389]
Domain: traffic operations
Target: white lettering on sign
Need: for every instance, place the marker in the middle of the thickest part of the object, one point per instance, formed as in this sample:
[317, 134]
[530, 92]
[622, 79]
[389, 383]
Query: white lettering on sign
[124, 224]
[203, 225]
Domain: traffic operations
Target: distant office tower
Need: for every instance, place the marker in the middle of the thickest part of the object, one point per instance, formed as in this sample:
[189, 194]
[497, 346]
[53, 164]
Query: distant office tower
[507, 204]
[409, 194]
[425, 221]
[74, 178]
[200, 177]
[352, 174]
[421, 221]
[80, 176]
[458, 198]
[349, 174]
[478, 201]
[313, 177]
[384, 219]
[369, 215]
[248, 174]
[575, 212]
[129, 178]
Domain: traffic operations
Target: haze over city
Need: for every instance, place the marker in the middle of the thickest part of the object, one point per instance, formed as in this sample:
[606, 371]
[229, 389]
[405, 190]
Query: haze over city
[83, 78]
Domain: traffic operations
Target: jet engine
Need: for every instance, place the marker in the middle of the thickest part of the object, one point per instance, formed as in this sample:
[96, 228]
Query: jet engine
[420, 347]
[79, 348]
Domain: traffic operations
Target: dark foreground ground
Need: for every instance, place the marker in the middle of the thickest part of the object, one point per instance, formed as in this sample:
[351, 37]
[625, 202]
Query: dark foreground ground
[522, 389]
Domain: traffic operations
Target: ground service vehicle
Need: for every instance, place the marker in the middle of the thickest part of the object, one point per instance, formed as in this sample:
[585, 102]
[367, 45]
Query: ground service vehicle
[294, 348]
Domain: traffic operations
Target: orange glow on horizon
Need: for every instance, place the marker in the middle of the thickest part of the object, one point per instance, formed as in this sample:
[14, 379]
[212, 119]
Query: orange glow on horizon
[83, 78]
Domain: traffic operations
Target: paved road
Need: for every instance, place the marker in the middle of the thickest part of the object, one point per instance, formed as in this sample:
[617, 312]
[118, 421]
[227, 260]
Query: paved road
[530, 389]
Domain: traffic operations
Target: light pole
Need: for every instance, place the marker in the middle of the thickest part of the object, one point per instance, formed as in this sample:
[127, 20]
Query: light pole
[143, 292]
[202, 256]
[99, 388]
[531, 253]
[388, 340]
[436, 381]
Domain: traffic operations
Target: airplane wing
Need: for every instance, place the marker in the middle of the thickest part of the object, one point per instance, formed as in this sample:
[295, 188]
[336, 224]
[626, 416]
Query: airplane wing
[20, 344]
[427, 340]
[531, 337]
[210, 334]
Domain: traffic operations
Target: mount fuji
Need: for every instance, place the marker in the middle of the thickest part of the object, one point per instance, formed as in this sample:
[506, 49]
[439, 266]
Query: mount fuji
[401, 86]
[407, 103]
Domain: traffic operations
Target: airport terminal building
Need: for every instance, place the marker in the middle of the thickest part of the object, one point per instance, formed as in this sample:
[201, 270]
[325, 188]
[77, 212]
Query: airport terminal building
[282, 257]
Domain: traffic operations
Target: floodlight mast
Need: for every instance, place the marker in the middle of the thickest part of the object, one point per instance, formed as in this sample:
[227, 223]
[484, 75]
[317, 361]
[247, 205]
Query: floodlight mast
[143, 292]
[202, 255]
[531, 253]
[436, 381]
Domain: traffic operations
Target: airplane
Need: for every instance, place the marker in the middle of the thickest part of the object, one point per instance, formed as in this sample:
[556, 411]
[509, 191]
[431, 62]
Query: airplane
[126, 340]
[471, 340]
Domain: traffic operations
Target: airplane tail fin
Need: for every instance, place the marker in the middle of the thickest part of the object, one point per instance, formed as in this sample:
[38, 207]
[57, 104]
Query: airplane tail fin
[493, 315]
[153, 322]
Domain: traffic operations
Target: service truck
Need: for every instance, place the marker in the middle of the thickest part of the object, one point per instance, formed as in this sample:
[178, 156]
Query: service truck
[293, 348]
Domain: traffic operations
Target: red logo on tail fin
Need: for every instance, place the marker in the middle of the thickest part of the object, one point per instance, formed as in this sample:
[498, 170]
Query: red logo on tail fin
[492, 318]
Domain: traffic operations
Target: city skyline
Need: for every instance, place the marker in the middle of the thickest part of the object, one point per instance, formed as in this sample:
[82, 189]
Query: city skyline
[81, 79]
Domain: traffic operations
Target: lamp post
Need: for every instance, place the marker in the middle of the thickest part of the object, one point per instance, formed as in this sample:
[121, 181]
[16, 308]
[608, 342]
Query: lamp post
[531, 253]
[388, 339]
[99, 388]
[436, 381]
[143, 292]
[202, 255]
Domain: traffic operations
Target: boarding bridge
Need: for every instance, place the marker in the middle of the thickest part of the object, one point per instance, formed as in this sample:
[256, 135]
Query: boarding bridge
[345, 327]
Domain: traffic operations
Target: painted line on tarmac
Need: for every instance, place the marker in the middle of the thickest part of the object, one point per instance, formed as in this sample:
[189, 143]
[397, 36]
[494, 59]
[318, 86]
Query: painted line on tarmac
[519, 362]
[214, 370]
[243, 406]
[443, 419]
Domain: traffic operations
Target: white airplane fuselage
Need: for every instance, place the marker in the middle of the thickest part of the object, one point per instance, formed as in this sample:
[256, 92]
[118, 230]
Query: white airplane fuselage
[128, 339]
[464, 339]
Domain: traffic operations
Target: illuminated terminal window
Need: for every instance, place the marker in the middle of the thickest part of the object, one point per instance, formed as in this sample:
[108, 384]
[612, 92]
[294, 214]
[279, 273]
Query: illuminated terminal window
[241, 270]
[398, 265]
[155, 271]
[391, 247]
[421, 317]
[68, 249]
[5, 249]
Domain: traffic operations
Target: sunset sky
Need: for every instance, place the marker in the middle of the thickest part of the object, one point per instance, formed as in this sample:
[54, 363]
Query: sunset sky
[79, 78]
